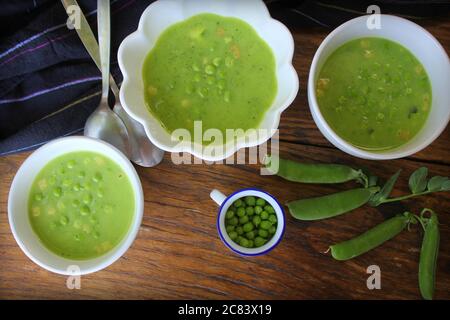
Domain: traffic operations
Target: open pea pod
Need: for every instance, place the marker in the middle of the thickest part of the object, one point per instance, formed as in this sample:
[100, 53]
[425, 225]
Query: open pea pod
[330, 205]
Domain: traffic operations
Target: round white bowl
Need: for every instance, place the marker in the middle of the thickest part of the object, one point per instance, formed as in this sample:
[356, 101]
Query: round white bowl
[19, 221]
[164, 13]
[429, 52]
[225, 202]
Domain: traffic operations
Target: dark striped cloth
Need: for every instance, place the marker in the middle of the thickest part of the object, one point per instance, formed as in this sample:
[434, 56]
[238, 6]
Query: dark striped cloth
[49, 84]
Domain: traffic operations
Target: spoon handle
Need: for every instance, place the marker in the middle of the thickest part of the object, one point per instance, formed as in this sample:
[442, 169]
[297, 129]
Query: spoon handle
[104, 25]
[90, 42]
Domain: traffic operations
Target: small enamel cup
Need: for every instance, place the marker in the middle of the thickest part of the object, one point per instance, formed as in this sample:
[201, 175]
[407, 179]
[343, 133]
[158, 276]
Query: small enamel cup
[226, 201]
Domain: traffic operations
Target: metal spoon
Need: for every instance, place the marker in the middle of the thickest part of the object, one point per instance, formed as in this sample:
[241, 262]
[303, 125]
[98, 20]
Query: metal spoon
[143, 152]
[103, 123]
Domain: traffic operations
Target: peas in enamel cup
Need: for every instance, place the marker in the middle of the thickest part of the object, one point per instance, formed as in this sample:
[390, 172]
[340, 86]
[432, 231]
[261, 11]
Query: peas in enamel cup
[252, 223]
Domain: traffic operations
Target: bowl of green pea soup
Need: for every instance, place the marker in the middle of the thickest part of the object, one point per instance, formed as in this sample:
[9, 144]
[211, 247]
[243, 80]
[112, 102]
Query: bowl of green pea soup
[75, 205]
[380, 93]
[208, 77]
[250, 222]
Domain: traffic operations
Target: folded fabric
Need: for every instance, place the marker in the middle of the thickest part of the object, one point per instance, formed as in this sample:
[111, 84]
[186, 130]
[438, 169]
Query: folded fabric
[49, 85]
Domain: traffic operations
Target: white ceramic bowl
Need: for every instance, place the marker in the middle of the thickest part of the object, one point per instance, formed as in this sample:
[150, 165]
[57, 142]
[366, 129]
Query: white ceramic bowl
[19, 221]
[163, 13]
[429, 52]
[225, 202]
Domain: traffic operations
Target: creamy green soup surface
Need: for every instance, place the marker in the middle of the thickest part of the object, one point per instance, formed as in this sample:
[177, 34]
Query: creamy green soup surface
[212, 69]
[81, 205]
[374, 93]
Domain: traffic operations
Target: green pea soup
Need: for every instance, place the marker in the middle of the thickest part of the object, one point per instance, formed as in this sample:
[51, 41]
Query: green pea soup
[81, 205]
[212, 69]
[374, 93]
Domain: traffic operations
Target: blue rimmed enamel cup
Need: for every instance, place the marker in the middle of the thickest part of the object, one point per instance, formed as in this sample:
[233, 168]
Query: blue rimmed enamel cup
[225, 202]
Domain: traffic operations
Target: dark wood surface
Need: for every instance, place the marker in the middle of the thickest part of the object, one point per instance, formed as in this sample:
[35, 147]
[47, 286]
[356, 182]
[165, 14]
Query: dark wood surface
[178, 253]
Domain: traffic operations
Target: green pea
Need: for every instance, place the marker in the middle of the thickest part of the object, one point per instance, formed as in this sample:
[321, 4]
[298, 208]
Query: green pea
[241, 212]
[209, 69]
[229, 214]
[233, 221]
[230, 228]
[312, 173]
[250, 235]
[239, 230]
[57, 192]
[64, 220]
[233, 235]
[264, 215]
[259, 241]
[371, 238]
[258, 209]
[260, 202]
[85, 210]
[243, 242]
[330, 205]
[217, 61]
[67, 182]
[250, 244]
[265, 225]
[256, 220]
[269, 209]
[52, 180]
[87, 198]
[248, 227]
[238, 203]
[250, 201]
[226, 96]
[93, 220]
[239, 238]
[272, 229]
[263, 233]
[38, 197]
[71, 164]
[243, 220]
[273, 218]
[97, 177]
[428, 257]
[250, 211]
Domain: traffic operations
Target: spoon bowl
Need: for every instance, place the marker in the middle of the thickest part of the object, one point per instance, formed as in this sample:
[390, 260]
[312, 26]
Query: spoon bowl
[105, 125]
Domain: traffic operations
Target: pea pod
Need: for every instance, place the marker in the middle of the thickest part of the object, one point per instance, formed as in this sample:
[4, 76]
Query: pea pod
[312, 173]
[330, 205]
[428, 257]
[372, 238]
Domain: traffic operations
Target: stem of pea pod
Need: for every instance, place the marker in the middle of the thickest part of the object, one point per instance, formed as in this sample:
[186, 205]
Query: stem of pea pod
[412, 195]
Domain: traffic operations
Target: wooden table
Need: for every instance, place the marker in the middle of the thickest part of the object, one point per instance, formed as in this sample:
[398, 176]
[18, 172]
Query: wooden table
[178, 254]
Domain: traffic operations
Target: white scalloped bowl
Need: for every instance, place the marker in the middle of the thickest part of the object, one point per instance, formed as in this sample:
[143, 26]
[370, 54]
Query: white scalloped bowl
[164, 13]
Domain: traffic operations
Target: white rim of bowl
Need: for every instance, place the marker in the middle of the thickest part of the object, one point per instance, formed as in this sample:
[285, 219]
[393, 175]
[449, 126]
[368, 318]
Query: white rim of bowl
[126, 242]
